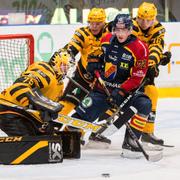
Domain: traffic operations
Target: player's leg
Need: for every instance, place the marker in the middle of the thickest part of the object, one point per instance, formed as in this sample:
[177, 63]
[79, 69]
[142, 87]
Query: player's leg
[148, 132]
[17, 122]
[73, 95]
[91, 107]
[137, 124]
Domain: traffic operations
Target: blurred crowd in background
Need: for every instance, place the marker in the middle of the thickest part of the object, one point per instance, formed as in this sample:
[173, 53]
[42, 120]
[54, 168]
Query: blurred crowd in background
[73, 12]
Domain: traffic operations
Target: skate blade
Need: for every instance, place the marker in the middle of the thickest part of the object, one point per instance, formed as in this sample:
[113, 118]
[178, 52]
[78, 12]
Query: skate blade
[96, 145]
[151, 147]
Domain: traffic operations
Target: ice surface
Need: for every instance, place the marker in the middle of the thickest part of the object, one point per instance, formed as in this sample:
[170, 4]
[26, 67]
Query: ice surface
[95, 162]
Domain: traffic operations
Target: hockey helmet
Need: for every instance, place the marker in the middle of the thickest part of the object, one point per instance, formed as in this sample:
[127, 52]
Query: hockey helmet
[97, 15]
[124, 20]
[60, 63]
[147, 11]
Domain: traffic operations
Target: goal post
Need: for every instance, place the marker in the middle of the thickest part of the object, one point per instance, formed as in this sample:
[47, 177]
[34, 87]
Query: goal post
[16, 54]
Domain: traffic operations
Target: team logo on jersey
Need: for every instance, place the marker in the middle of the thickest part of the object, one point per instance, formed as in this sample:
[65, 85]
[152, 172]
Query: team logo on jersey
[87, 102]
[110, 70]
[141, 64]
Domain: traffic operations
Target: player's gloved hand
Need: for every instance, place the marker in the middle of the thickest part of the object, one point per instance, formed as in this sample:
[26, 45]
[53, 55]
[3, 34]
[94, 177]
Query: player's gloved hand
[117, 97]
[166, 58]
[153, 70]
[94, 64]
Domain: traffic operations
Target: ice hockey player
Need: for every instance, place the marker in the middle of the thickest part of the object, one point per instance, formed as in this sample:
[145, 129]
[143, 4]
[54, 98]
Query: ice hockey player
[28, 107]
[122, 66]
[148, 29]
[86, 40]
[40, 77]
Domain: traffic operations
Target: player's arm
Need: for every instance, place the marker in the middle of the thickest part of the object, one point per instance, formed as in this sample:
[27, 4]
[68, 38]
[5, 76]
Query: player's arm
[96, 58]
[33, 77]
[156, 46]
[138, 72]
[76, 43]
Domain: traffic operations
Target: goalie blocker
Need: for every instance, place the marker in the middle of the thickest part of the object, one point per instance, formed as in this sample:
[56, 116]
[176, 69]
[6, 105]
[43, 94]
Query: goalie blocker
[39, 149]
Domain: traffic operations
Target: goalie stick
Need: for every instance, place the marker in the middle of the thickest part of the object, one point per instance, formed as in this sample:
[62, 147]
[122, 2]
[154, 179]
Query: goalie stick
[152, 158]
[61, 119]
[78, 123]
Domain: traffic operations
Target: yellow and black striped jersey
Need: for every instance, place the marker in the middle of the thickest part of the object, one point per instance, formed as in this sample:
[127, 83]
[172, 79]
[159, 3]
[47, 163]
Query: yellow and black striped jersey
[39, 74]
[86, 43]
[154, 37]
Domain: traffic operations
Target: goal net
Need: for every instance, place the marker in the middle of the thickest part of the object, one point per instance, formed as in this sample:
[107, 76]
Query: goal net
[16, 53]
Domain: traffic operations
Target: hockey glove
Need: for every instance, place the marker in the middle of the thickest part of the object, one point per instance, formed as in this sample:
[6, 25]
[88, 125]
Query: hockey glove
[166, 58]
[117, 97]
[153, 70]
[94, 64]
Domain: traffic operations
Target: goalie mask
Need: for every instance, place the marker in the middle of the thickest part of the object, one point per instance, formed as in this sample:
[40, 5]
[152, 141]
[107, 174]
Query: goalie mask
[60, 64]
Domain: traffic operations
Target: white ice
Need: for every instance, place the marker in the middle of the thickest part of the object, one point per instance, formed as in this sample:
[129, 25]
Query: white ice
[95, 162]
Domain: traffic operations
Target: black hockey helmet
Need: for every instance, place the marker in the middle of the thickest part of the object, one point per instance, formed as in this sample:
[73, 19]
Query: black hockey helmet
[123, 19]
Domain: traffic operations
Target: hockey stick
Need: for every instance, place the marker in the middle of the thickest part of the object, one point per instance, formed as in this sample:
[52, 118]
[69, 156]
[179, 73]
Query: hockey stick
[77, 123]
[77, 84]
[111, 120]
[152, 158]
[62, 119]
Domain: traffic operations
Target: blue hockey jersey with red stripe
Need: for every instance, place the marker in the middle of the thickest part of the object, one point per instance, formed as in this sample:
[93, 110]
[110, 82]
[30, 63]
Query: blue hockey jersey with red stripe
[125, 64]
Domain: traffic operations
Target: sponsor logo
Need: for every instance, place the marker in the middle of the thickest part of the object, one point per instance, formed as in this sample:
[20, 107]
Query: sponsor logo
[10, 139]
[126, 57]
[114, 85]
[78, 123]
[76, 91]
[55, 152]
[113, 58]
[124, 65]
[139, 73]
[141, 64]
[87, 102]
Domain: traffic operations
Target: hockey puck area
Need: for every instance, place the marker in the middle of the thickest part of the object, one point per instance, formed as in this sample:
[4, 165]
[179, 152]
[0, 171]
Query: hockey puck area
[106, 175]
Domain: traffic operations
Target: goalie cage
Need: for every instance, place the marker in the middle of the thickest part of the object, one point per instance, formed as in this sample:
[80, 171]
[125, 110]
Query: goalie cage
[16, 54]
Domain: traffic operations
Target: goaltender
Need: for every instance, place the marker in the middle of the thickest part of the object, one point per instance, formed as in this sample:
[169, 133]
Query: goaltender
[27, 109]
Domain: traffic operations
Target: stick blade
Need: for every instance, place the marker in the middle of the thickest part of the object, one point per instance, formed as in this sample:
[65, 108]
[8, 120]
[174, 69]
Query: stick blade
[155, 157]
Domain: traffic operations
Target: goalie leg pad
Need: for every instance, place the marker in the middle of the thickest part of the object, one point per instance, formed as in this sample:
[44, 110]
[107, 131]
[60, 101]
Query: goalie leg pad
[30, 150]
[71, 144]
